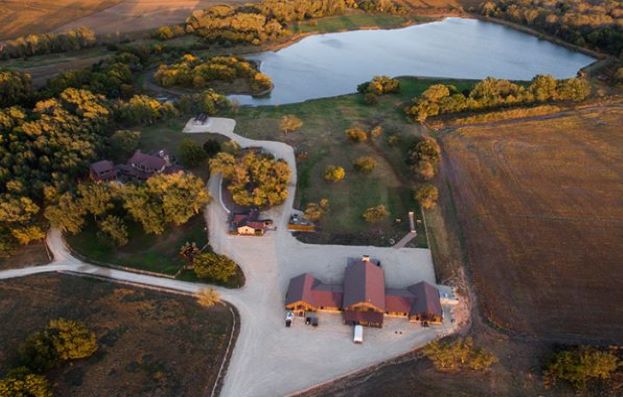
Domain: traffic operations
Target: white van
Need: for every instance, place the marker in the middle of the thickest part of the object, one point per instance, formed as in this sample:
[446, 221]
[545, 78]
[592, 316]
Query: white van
[358, 334]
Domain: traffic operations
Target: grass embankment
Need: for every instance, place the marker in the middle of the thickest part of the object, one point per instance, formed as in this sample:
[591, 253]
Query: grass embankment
[323, 140]
[33, 254]
[355, 21]
[158, 254]
[150, 343]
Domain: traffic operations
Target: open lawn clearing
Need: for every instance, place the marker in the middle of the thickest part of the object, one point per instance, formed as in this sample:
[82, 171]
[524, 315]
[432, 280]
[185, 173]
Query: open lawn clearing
[156, 253]
[323, 140]
[150, 343]
[33, 254]
[352, 21]
[541, 211]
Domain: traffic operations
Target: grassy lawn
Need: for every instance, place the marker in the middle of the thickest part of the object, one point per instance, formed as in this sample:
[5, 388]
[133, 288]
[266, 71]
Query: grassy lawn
[322, 139]
[353, 22]
[158, 254]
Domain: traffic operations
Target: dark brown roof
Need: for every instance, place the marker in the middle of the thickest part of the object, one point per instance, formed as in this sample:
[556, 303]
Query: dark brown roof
[300, 289]
[364, 282]
[327, 295]
[356, 316]
[426, 299]
[398, 300]
[102, 166]
[147, 161]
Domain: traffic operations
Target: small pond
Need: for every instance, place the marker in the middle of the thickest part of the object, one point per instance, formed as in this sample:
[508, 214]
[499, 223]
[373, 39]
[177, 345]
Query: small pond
[333, 64]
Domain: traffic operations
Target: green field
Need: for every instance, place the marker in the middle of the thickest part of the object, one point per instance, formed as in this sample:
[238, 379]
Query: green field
[322, 139]
[353, 22]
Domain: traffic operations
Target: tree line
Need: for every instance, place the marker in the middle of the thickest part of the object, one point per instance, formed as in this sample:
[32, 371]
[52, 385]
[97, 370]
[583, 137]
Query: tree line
[596, 24]
[192, 71]
[48, 43]
[269, 19]
[492, 93]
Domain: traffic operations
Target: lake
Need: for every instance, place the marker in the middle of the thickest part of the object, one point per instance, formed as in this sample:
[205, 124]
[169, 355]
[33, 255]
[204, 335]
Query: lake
[334, 64]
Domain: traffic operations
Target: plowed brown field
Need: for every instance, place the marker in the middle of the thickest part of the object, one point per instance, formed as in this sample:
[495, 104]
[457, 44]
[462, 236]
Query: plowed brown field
[540, 205]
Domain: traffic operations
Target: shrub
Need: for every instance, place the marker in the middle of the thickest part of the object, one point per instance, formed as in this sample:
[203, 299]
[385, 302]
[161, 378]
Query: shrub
[458, 354]
[334, 173]
[580, 365]
[114, 228]
[427, 195]
[375, 214]
[376, 132]
[365, 164]
[211, 147]
[424, 158]
[20, 382]
[71, 339]
[208, 297]
[191, 154]
[38, 352]
[315, 211]
[290, 123]
[357, 134]
[214, 267]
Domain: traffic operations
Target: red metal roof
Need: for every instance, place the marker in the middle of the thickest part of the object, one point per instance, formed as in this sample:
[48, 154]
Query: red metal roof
[364, 282]
[426, 299]
[398, 300]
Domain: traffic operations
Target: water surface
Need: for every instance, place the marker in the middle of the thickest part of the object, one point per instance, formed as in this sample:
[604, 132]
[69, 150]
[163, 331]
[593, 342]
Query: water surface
[333, 64]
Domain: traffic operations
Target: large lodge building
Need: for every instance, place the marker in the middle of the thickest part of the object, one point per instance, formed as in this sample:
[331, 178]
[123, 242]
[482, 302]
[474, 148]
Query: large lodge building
[363, 298]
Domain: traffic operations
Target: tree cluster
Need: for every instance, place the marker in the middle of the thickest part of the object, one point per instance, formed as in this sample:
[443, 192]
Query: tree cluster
[208, 101]
[113, 77]
[143, 109]
[47, 43]
[578, 366]
[253, 178]
[380, 85]
[424, 157]
[596, 24]
[315, 211]
[60, 342]
[492, 93]
[169, 32]
[192, 71]
[214, 267]
[42, 151]
[269, 19]
[16, 88]
[375, 214]
[458, 355]
[334, 173]
[162, 200]
[427, 195]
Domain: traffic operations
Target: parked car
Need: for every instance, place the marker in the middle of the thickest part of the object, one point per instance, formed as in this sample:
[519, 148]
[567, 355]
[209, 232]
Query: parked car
[289, 318]
[358, 334]
[314, 321]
